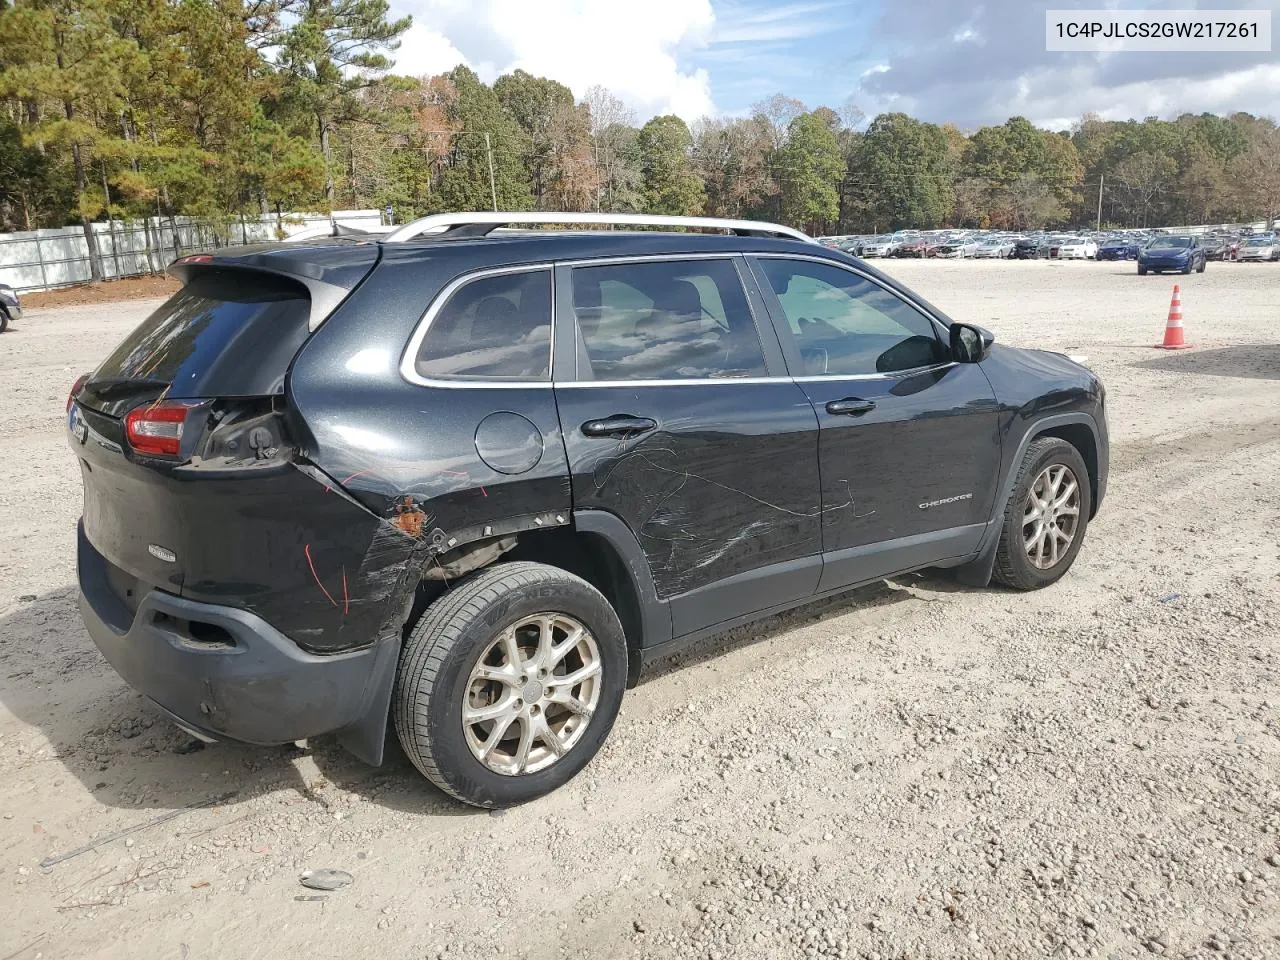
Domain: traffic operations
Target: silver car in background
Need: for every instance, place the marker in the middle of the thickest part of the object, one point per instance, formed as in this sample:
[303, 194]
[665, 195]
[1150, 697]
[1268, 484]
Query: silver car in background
[10, 306]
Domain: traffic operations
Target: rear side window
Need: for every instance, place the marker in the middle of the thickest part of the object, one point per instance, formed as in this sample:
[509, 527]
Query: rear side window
[226, 333]
[664, 320]
[491, 328]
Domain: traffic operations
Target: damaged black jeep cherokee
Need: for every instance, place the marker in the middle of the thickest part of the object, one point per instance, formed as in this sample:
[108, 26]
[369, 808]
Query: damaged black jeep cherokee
[470, 479]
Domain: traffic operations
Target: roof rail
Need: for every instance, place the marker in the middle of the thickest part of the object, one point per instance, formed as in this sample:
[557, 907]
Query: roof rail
[450, 226]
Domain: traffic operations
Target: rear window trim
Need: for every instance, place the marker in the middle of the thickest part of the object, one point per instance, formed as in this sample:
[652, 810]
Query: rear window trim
[408, 361]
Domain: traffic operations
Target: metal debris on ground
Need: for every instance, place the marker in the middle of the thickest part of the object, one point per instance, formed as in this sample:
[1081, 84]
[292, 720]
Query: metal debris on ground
[153, 822]
[1170, 597]
[325, 879]
[311, 899]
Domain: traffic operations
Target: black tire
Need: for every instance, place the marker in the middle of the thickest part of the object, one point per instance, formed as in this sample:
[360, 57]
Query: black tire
[1142, 271]
[1203, 264]
[436, 663]
[1013, 567]
[4, 320]
[1187, 268]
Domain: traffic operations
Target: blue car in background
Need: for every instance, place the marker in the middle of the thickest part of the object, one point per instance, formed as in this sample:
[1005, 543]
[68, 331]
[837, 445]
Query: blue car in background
[1183, 254]
[1119, 248]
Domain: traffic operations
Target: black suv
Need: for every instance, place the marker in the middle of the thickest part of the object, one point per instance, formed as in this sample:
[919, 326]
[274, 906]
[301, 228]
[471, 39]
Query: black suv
[471, 481]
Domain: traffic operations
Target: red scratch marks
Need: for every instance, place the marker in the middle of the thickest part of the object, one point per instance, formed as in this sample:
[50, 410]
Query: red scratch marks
[346, 601]
[310, 563]
[358, 473]
[484, 491]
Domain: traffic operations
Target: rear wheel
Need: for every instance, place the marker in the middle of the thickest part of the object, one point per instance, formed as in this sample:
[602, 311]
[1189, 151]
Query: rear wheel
[1046, 516]
[509, 684]
[4, 320]
[1203, 263]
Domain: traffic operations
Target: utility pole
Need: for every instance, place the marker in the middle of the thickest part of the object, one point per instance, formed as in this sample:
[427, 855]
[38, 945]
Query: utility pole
[1101, 177]
[493, 189]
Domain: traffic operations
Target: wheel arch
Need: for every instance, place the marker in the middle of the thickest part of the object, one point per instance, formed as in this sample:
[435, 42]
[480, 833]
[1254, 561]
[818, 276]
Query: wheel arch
[1081, 435]
[602, 550]
[1078, 429]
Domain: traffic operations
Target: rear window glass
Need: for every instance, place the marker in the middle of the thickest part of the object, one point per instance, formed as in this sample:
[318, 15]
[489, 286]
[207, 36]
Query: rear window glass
[225, 333]
[493, 328]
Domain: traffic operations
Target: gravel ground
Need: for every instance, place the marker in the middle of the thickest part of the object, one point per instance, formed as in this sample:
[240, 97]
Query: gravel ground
[914, 771]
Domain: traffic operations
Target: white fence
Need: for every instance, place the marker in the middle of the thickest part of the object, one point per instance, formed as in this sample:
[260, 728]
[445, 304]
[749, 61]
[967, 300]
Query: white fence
[47, 259]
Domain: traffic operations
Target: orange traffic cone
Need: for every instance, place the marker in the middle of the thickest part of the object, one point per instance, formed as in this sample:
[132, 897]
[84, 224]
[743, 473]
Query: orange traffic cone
[1173, 328]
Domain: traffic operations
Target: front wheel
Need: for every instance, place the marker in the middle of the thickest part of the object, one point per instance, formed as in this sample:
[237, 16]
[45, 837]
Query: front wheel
[1203, 264]
[4, 320]
[1142, 271]
[509, 683]
[1046, 516]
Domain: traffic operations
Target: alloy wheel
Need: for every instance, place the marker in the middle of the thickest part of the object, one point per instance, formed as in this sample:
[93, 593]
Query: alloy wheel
[1051, 515]
[531, 694]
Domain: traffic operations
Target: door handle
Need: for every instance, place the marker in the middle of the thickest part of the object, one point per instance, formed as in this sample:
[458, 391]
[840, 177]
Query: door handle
[618, 425]
[851, 406]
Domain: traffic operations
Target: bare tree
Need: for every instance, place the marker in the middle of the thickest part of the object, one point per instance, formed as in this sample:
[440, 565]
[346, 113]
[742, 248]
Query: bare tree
[779, 111]
[1144, 176]
[611, 123]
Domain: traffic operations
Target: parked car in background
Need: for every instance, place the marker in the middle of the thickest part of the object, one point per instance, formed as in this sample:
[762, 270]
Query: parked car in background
[10, 306]
[598, 513]
[994, 247]
[879, 247]
[1231, 250]
[914, 247]
[1031, 248]
[1078, 248]
[1263, 247]
[1181, 253]
[1119, 248]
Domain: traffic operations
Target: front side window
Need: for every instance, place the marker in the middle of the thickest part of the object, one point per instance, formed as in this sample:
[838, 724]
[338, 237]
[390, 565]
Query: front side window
[665, 320]
[846, 325]
[491, 328]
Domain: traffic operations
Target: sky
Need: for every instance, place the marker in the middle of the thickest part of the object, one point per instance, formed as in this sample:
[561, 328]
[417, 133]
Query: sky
[945, 61]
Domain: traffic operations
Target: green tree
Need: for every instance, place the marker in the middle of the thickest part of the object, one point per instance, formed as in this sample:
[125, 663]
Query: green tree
[555, 135]
[333, 49]
[811, 168]
[66, 54]
[669, 185]
[486, 133]
[903, 173]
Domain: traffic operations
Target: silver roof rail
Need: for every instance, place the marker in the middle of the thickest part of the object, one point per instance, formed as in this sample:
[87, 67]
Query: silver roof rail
[468, 225]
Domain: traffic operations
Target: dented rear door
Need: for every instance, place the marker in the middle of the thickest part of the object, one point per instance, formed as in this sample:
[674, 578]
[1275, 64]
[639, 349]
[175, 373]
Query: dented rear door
[674, 422]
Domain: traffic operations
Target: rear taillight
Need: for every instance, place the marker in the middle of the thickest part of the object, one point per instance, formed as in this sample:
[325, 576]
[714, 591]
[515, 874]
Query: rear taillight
[156, 429]
[75, 390]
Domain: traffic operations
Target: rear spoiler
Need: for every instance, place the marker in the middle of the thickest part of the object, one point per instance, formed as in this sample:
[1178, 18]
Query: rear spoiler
[288, 264]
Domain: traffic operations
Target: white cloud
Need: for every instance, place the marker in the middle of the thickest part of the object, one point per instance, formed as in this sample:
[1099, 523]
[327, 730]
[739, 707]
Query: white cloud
[424, 52]
[634, 49]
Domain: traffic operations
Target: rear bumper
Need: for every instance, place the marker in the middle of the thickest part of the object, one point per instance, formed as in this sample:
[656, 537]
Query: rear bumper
[235, 676]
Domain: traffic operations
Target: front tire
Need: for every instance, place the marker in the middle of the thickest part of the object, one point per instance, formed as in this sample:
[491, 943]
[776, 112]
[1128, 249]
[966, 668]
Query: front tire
[1046, 517]
[1142, 271]
[509, 683]
[4, 320]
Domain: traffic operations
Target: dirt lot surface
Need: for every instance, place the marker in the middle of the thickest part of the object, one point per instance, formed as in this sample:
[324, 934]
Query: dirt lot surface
[130, 288]
[916, 771]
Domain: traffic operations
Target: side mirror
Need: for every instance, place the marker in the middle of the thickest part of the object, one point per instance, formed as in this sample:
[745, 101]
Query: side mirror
[970, 343]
